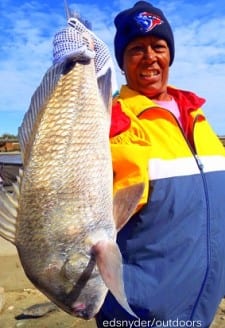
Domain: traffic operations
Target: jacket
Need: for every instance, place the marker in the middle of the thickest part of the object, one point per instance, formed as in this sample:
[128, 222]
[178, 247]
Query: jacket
[173, 247]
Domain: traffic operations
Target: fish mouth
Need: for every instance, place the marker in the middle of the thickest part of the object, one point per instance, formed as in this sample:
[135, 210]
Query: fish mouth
[80, 311]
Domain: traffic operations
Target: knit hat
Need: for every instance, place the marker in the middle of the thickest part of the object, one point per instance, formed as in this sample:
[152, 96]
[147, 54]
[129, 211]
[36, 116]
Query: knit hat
[140, 20]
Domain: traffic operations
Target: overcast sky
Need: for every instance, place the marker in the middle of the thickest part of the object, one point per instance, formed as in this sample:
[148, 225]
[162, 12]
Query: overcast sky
[27, 29]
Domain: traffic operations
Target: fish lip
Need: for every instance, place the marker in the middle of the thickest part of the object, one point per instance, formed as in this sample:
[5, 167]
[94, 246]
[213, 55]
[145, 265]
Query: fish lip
[80, 310]
[82, 314]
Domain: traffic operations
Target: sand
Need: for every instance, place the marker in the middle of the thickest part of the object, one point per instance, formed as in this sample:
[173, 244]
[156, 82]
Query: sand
[17, 293]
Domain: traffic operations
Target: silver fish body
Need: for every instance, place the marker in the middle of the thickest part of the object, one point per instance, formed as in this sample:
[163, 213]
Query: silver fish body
[60, 216]
[66, 190]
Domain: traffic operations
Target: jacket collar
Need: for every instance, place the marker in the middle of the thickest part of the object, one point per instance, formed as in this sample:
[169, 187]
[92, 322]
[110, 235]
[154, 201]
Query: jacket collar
[187, 101]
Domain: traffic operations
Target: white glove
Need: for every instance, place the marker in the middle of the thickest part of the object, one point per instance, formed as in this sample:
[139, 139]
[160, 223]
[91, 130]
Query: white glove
[75, 40]
[69, 42]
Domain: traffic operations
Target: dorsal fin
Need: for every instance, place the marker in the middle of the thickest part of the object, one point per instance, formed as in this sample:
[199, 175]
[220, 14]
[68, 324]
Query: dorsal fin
[39, 98]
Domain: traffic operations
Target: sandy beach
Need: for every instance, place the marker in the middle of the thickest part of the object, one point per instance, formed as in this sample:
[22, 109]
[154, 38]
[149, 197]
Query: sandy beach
[17, 293]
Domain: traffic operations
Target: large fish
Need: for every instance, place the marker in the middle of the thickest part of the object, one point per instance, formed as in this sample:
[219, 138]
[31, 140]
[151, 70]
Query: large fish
[62, 215]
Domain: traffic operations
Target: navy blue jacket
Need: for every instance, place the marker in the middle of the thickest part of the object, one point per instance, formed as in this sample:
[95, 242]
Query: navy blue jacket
[173, 248]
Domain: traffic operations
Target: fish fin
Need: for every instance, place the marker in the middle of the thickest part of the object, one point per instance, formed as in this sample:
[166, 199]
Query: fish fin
[38, 99]
[8, 211]
[125, 202]
[105, 89]
[109, 262]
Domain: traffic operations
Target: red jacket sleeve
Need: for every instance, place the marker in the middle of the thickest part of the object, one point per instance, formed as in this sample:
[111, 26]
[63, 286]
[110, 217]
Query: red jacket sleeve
[120, 122]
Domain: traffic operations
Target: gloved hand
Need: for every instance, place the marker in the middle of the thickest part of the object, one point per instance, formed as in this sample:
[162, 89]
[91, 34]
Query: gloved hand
[75, 39]
[69, 42]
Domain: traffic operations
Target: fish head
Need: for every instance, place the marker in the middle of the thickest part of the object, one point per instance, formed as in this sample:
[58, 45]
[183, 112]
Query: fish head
[88, 289]
[75, 286]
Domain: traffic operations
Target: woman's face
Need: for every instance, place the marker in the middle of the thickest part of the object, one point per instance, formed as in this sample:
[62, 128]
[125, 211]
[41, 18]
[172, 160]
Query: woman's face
[146, 66]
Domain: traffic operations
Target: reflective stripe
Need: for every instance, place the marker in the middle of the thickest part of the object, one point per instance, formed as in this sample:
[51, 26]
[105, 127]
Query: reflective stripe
[213, 163]
[160, 169]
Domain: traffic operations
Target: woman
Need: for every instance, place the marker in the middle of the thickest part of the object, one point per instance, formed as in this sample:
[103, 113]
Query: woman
[173, 247]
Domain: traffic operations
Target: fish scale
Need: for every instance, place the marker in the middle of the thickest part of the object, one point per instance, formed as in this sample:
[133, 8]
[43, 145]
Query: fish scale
[70, 141]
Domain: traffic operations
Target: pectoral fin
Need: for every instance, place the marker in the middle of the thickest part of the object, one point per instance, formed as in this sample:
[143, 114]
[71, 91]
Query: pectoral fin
[125, 202]
[109, 262]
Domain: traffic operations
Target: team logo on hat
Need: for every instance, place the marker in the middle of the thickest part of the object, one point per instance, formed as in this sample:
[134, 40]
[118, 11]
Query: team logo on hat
[147, 21]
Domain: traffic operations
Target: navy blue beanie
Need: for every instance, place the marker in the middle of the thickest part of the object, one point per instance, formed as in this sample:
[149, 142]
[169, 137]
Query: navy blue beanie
[140, 20]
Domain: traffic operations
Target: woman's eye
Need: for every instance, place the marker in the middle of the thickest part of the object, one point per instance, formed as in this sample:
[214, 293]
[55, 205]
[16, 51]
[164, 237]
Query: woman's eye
[136, 49]
[159, 46]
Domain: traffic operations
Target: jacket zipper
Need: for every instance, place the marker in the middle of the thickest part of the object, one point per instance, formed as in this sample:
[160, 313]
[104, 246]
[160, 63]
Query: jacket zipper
[201, 170]
[205, 187]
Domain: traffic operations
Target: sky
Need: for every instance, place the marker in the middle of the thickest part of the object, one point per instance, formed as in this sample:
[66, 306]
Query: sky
[27, 29]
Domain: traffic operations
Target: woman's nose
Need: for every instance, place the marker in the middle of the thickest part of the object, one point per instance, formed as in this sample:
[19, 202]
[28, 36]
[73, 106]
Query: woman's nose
[149, 53]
